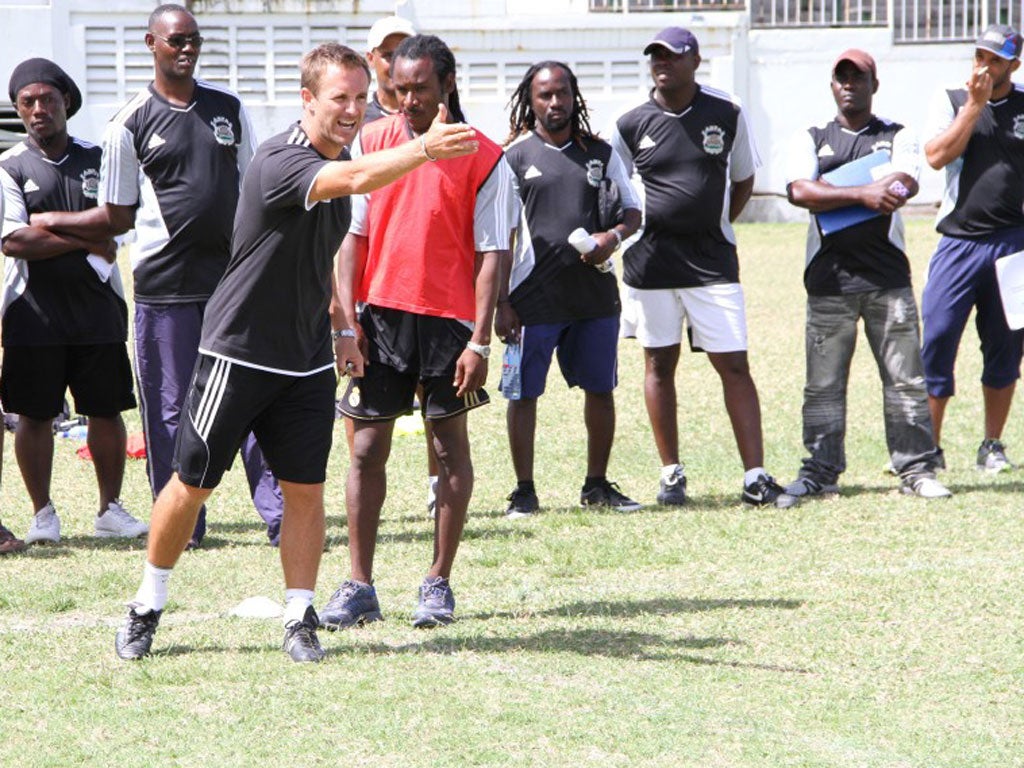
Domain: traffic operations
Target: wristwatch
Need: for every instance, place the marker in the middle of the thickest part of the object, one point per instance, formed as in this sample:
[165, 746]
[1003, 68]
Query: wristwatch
[343, 333]
[484, 350]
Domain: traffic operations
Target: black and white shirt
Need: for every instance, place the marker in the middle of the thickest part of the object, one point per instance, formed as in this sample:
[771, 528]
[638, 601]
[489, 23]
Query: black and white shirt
[867, 256]
[687, 163]
[985, 185]
[181, 166]
[557, 188]
[62, 299]
[270, 311]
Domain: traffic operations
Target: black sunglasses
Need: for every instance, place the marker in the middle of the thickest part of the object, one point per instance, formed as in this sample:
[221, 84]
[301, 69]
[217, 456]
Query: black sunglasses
[178, 42]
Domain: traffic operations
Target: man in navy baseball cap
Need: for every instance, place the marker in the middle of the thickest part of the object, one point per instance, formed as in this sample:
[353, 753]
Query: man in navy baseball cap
[675, 39]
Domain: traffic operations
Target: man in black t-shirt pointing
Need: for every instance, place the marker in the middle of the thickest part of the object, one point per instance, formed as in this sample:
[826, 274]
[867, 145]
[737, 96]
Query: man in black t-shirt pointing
[265, 359]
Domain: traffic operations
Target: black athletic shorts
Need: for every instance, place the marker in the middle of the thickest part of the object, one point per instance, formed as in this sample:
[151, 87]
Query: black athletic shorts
[405, 350]
[34, 379]
[291, 416]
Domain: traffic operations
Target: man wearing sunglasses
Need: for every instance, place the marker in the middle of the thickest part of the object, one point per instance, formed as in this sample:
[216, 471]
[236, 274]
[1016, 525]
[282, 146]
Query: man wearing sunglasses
[173, 158]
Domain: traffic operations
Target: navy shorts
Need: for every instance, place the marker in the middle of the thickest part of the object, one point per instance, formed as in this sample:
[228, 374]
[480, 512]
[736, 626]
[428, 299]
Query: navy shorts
[291, 416]
[587, 354]
[962, 277]
[34, 380]
[407, 350]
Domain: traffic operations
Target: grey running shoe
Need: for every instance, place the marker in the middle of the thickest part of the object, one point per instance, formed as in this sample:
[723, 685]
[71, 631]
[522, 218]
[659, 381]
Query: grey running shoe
[134, 639]
[607, 494]
[925, 487]
[117, 523]
[45, 528]
[351, 604]
[672, 492]
[765, 492]
[992, 457]
[808, 486]
[300, 640]
[437, 604]
[521, 503]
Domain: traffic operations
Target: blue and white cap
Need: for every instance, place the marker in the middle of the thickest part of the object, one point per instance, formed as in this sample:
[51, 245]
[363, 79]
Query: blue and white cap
[1002, 40]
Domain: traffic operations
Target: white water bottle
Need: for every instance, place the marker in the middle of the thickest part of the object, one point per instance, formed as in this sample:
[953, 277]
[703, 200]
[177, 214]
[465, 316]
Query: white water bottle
[511, 372]
[584, 242]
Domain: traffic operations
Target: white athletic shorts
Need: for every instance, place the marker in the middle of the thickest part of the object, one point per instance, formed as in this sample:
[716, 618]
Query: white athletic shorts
[714, 315]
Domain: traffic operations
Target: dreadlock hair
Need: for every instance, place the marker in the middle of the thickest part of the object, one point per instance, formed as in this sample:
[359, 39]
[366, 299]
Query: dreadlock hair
[522, 118]
[433, 48]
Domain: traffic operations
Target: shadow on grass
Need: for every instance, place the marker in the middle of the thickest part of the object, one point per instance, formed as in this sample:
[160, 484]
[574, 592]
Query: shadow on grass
[606, 643]
[633, 608]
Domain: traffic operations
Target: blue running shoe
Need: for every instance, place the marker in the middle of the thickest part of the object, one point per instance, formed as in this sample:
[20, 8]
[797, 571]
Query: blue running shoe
[437, 604]
[351, 604]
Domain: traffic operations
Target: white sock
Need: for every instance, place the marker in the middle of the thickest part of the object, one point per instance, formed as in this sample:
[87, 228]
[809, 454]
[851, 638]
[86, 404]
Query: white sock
[296, 601]
[431, 488]
[751, 475]
[152, 594]
[668, 470]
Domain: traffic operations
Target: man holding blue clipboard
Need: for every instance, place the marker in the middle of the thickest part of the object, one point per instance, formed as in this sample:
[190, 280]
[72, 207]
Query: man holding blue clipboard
[853, 174]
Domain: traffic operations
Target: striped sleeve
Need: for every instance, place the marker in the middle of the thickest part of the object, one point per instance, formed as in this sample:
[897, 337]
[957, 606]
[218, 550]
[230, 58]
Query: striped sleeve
[119, 168]
[493, 215]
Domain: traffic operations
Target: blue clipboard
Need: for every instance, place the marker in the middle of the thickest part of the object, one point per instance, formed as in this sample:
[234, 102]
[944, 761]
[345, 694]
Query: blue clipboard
[855, 173]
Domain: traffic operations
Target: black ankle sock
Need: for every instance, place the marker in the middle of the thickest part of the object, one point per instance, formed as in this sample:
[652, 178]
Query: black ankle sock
[593, 482]
[526, 485]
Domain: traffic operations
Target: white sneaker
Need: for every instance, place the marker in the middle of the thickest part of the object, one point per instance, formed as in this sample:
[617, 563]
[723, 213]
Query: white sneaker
[116, 523]
[925, 488]
[45, 526]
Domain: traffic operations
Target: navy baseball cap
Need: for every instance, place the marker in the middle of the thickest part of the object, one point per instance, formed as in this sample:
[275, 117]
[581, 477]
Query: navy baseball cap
[675, 39]
[1002, 40]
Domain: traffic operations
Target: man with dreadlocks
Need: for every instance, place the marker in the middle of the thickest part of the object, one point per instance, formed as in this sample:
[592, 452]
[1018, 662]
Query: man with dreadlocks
[425, 266]
[551, 296]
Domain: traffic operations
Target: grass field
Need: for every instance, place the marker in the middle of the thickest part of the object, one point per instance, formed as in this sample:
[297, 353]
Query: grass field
[867, 630]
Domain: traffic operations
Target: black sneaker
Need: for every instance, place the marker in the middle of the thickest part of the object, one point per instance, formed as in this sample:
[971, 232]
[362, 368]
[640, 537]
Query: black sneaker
[765, 492]
[521, 503]
[437, 604]
[606, 494]
[300, 640]
[672, 492]
[135, 638]
[351, 604]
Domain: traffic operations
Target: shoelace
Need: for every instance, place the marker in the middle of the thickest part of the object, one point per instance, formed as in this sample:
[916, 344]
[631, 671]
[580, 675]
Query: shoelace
[138, 625]
[434, 592]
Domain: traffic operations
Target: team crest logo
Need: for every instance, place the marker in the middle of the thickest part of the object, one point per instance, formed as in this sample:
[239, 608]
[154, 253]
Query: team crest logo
[223, 132]
[595, 172]
[353, 397]
[91, 183]
[882, 145]
[714, 140]
[1018, 127]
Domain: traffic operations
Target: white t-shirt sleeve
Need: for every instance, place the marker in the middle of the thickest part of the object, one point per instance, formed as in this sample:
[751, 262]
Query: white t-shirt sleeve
[619, 145]
[15, 213]
[494, 213]
[801, 159]
[906, 153]
[119, 168]
[360, 203]
[617, 172]
[744, 161]
[247, 147]
[940, 115]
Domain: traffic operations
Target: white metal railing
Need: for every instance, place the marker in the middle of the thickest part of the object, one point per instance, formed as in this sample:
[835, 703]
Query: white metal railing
[934, 21]
[642, 6]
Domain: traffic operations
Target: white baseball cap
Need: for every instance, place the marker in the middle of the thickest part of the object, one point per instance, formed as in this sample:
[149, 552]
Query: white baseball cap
[389, 25]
